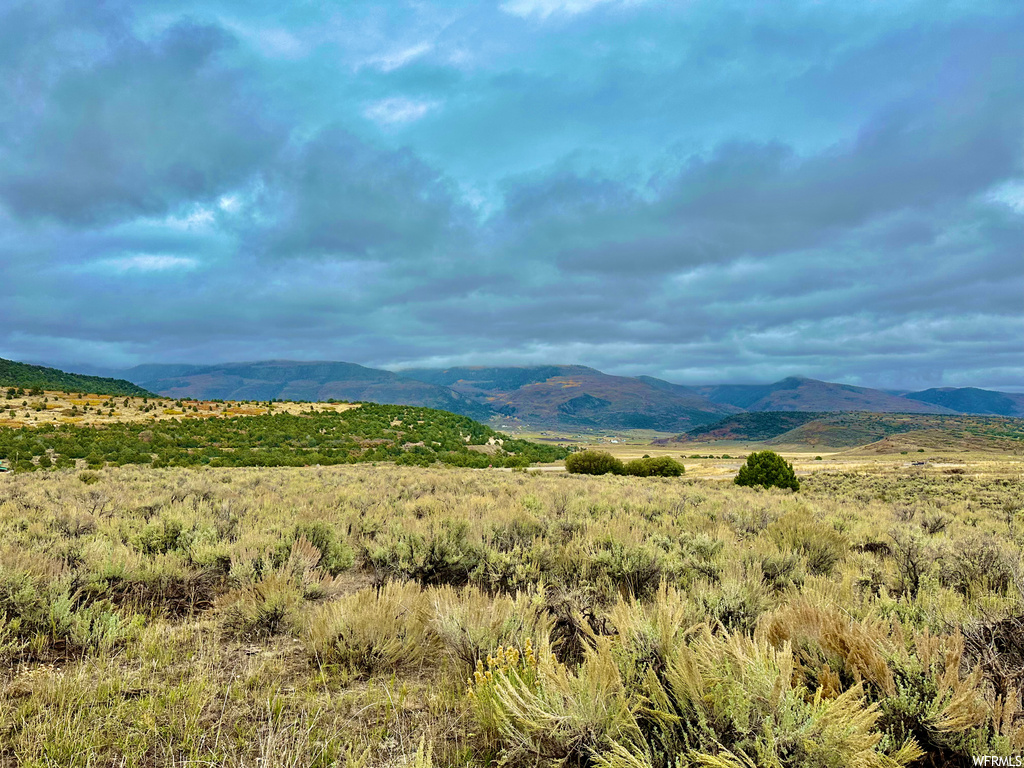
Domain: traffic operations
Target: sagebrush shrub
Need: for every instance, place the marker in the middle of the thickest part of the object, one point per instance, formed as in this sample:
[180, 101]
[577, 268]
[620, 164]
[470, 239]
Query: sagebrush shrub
[373, 631]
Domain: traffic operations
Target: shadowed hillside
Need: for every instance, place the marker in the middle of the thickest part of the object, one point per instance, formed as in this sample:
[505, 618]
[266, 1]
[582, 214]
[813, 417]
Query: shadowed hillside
[763, 425]
[25, 376]
[800, 394]
[972, 400]
[575, 396]
[289, 380]
[851, 429]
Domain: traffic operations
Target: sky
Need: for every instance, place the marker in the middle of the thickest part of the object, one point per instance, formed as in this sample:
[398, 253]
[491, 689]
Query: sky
[705, 191]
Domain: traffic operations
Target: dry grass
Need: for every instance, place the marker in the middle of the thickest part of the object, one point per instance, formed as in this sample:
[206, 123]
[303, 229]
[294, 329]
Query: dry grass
[53, 407]
[336, 616]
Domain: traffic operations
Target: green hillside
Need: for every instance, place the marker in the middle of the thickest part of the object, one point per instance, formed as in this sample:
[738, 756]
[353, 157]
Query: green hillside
[403, 434]
[25, 376]
[760, 425]
[850, 429]
[847, 430]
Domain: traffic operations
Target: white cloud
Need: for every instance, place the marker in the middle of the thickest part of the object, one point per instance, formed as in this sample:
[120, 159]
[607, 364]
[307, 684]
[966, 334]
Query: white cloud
[145, 262]
[545, 8]
[1009, 193]
[272, 42]
[197, 218]
[398, 109]
[396, 59]
[229, 203]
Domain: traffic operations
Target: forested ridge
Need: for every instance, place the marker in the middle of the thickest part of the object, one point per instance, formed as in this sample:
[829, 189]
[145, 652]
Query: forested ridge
[25, 376]
[371, 432]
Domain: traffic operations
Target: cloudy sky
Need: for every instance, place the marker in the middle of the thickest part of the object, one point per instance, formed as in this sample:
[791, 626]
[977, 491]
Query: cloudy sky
[702, 190]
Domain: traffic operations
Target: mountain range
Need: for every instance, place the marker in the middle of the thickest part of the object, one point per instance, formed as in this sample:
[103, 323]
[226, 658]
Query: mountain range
[567, 397]
[883, 432]
[291, 380]
[578, 397]
[800, 394]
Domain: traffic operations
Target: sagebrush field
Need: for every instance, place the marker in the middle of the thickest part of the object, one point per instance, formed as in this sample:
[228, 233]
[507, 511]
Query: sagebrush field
[375, 615]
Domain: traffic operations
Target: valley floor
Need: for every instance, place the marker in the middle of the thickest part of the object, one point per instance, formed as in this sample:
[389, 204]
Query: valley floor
[374, 615]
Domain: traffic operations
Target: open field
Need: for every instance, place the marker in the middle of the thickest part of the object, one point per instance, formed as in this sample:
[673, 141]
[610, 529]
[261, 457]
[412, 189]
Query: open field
[53, 407]
[721, 459]
[387, 616]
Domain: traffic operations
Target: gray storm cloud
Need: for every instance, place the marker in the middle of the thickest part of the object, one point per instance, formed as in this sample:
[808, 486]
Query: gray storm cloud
[703, 192]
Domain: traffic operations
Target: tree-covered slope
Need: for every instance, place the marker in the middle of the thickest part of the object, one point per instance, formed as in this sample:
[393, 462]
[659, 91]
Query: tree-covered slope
[760, 425]
[371, 432]
[25, 376]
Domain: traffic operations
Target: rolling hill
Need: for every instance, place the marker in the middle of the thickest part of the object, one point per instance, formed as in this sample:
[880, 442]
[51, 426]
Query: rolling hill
[289, 380]
[841, 430]
[762, 425]
[972, 400]
[25, 376]
[578, 397]
[564, 397]
[797, 393]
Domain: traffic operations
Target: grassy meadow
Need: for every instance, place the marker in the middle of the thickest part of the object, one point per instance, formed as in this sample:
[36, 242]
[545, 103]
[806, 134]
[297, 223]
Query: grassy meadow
[20, 407]
[379, 615]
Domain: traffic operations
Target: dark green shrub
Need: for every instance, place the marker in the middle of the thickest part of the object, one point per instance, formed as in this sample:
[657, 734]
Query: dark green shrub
[661, 466]
[768, 469]
[593, 463]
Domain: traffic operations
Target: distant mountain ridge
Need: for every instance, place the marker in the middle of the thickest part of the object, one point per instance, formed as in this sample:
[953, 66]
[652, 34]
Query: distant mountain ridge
[972, 400]
[564, 397]
[797, 393]
[841, 430]
[291, 380]
[576, 396]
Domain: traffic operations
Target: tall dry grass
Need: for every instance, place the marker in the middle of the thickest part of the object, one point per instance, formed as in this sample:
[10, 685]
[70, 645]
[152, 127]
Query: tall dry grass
[377, 615]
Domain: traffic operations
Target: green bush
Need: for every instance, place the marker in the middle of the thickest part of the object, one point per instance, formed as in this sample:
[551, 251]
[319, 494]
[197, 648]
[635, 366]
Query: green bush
[768, 469]
[442, 556]
[661, 466]
[593, 463]
[337, 556]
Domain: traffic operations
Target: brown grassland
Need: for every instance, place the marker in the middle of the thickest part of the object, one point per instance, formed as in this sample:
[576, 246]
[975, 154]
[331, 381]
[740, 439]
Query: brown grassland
[375, 615]
[52, 407]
